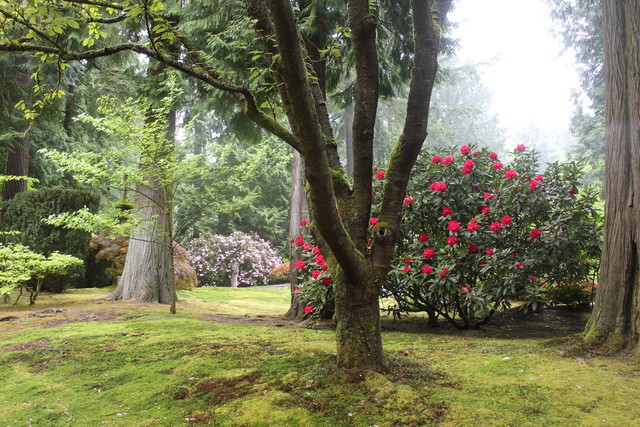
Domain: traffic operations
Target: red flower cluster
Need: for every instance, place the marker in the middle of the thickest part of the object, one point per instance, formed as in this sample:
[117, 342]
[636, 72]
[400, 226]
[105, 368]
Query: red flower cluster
[495, 226]
[535, 233]
[465, 149]
[497, 166]
[299, 241]
[426, 269]
[453, 226]
[447, 160]
[520, 148]
[473, 249]
[436, 159]
[298, 264]
[373, 221]
[308, 309]
[533, 184]
[406, 269]
[506, 220]
[510, 174]
[303, 222]
[380, 175]
[452, 240]
[468, 166]
[443, 273]
[472, 226]
[429, 253]
[446, 211]
[423, 238]
[438, 186]
[465, 289]
[493, 156]
[408, 200]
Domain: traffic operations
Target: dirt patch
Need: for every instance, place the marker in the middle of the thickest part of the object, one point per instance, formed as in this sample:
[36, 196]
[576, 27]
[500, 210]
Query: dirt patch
[31, 345]
[221, 391]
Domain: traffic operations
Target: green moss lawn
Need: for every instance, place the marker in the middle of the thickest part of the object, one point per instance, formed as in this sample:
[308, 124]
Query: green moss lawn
[229, 358]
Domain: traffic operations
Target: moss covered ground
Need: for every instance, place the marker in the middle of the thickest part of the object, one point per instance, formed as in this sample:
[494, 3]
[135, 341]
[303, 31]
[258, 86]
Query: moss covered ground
[228, 358]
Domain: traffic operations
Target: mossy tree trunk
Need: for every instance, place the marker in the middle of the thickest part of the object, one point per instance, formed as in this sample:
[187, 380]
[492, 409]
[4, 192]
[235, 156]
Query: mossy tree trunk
[615, 321]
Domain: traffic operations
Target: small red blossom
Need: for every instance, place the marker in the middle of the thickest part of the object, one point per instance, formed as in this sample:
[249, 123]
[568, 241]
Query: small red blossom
[510, 174]
[489, 252]
[380, 175]
[406, 269]
[453, 226]
[485, 210]
[473, 249]
[429, 253]
[465, 289]
[436, 159]
[316, 273]
[446, 211]
[489, 196]
[324, 267]
[373, 221]
[298, 264]
[468, 166]
[472, 226]
[408, 200]
[574, 190]
[303, 222]
[307, 246]
[316, 250]
[495, 226]
[408, 261]
[533, 278]
[540, 178]
[438, 186]
[476, 153]
[493, 156]
[319, 259]
[520, 265]
[308, 309]
[447, 160]
[452, 240]
[299, 241]
[506, 220]
[465, 149]
[443, 273]
[497, 166]
[426, 269]
[535, 233]
[296, 291]
[326, 281]
[423, 238]
[533, 184]
[520, 148]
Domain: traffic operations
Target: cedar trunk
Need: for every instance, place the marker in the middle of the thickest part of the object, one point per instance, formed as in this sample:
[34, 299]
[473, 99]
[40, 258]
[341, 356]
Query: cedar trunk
[615, 321]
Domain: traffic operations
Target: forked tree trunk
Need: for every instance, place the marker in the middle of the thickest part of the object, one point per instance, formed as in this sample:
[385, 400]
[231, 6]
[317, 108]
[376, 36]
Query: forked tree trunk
[615, 321]
[359, 343]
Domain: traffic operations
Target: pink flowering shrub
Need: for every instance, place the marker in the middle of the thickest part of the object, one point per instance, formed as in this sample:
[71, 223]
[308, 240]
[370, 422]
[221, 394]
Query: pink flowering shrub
[480, 233]
[213, 256]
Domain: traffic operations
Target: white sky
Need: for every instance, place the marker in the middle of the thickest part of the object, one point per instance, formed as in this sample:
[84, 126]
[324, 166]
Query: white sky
[529, 75]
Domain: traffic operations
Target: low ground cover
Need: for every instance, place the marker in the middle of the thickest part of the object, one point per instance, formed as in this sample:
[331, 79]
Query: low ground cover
[228, 358]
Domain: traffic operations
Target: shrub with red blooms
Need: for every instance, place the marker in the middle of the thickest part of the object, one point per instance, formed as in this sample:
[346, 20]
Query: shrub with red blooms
[492, 226]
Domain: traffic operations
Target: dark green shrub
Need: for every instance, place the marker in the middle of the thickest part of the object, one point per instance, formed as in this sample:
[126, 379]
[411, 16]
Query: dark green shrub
[24, 214]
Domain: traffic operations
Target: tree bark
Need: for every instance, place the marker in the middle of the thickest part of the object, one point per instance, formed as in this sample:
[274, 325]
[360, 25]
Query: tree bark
[17, 161]
[298, 206]
[615, 321]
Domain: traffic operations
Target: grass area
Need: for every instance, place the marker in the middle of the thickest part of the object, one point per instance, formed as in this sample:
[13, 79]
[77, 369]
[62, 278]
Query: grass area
[227, 358]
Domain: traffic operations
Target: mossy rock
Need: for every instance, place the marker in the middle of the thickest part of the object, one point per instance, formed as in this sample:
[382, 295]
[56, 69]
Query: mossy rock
[108, 256]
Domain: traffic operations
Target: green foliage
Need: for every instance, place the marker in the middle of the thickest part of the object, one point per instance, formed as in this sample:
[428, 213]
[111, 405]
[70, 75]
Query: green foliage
[477, 234]
[574, 294]
[25, 213]
[19, 265]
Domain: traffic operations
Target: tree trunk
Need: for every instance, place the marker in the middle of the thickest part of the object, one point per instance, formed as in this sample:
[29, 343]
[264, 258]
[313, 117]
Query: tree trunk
[615, 321]
[357, 316]
[348, 138]
[298, 207]
[17, 162]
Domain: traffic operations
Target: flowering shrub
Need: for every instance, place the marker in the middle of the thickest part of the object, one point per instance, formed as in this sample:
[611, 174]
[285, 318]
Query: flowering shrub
[479, 233]
[280, 274]
[213, 256]
[316, 284]
[573, 294]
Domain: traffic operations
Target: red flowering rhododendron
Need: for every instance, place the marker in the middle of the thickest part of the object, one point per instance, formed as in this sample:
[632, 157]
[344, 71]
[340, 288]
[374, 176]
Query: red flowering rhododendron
[465, 289]
[408, 260]
[436, 159]
[438, 186]
[446, 211]
[497, 166]
[485, 209]
[493, 156]
[407, 269]
[308, 309]
[380, 175]
[426, 269]
[472, 226]
[489, 252]
[488, 196]
[510, 174]
[316, 250]
[324, 266]
[495, 226]
[299, 264]
[447, 160]
[422, 238]
[535, 233]
[520, 148]
[429, 253]
[319, 259]
[299, 241]
[465, 149]
[476, 153]
[453, 226]
[506, 220]
[408, 200]
[443, 273]
[327, 281]
[316, 273]
[303, 222]
[468, 166]
[473, 249]
[373, 221]
[533, 184]
[452, 240]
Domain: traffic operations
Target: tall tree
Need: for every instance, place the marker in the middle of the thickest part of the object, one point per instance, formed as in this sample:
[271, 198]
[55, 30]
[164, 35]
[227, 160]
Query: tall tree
[341, 211]
[616, 315]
